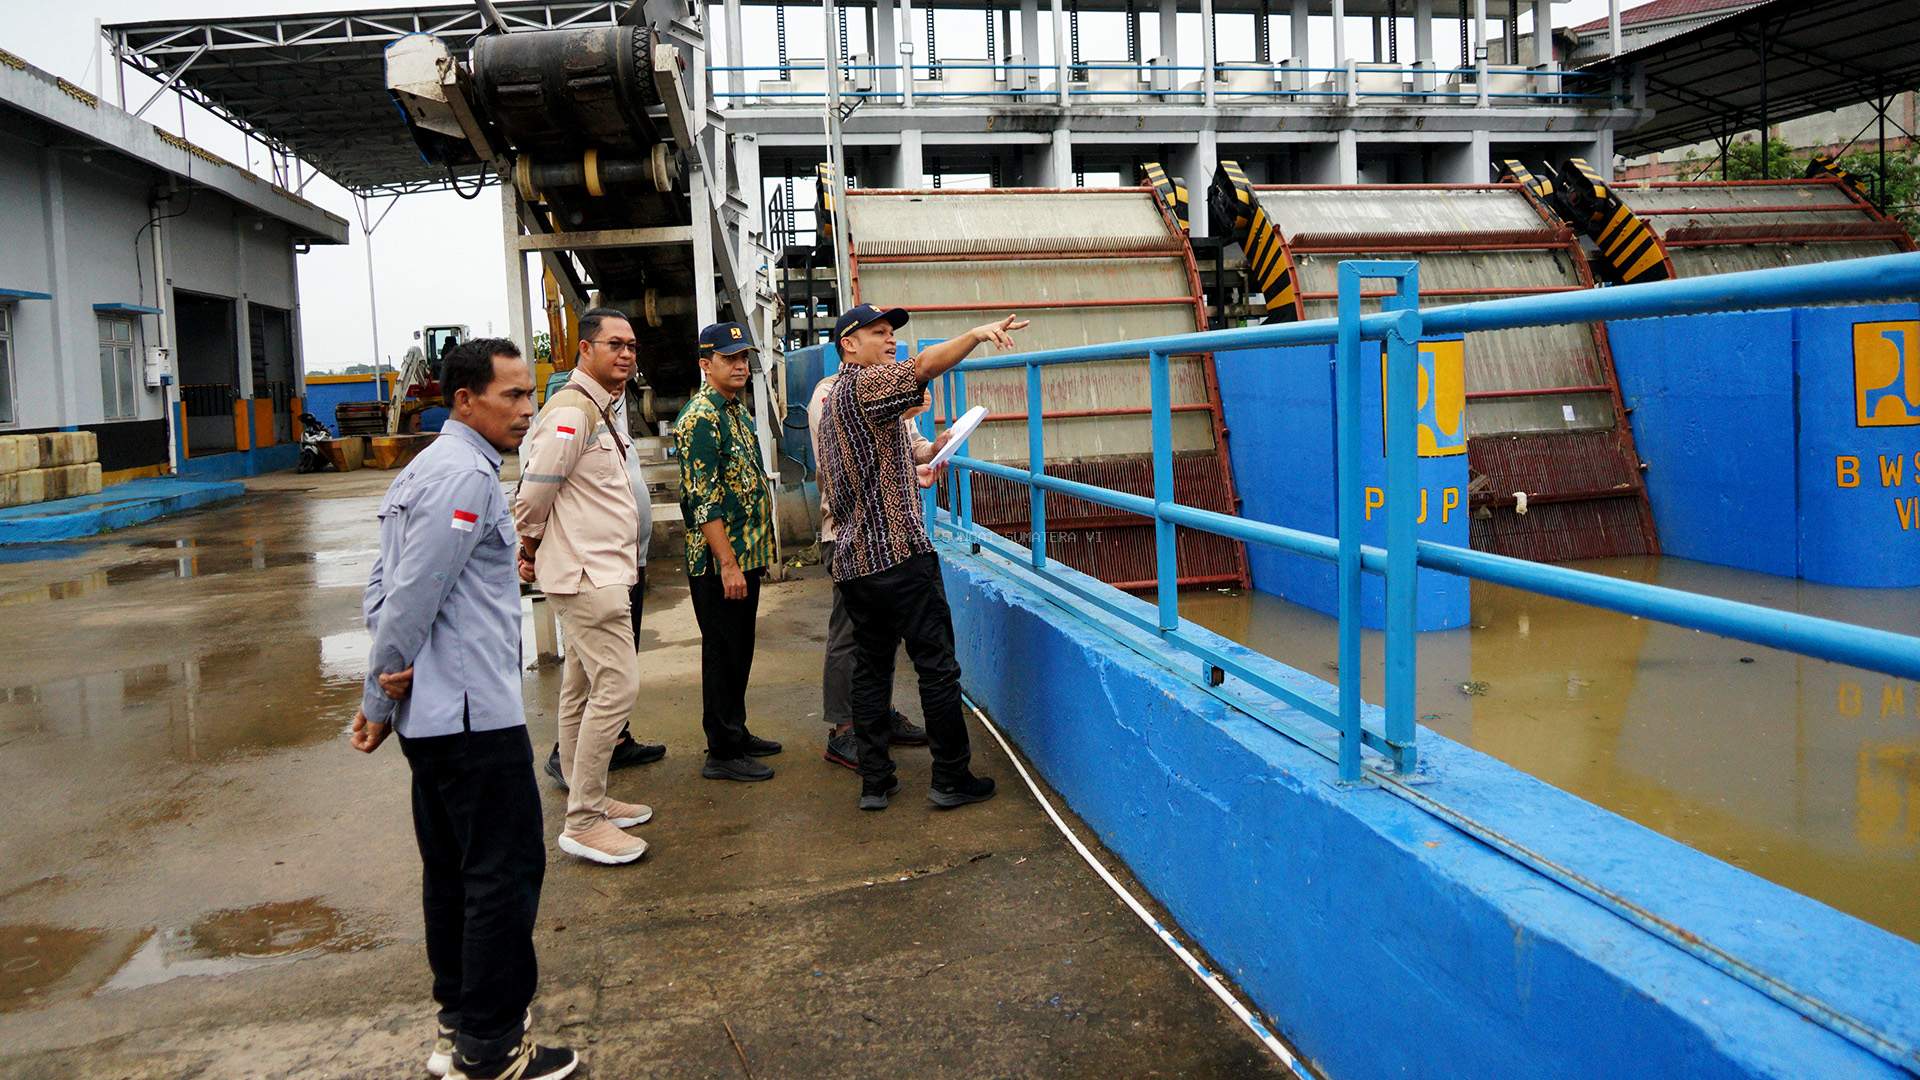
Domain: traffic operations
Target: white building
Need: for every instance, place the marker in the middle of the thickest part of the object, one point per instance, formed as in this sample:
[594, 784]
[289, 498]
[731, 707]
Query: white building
[117, 238]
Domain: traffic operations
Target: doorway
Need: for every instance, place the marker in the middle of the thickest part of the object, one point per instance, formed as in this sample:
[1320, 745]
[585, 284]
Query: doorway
[209, 365]
[270, 333]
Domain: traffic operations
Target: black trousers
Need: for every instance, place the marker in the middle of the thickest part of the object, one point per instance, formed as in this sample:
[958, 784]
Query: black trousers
[476, 815]
[726, 660]
[906, 603]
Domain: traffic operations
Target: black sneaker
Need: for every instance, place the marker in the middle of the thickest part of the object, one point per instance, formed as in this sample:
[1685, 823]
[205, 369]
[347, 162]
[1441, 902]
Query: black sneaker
[876, 798]
[553, 768]
[759, 747]
[631, 751]
[905, 732]
[744, 769]
[843, 748]
[971, 789]
[529, 1062]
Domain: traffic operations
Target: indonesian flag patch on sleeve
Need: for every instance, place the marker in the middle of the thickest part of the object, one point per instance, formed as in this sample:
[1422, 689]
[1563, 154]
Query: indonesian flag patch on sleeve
[464, 520]
[564, 432]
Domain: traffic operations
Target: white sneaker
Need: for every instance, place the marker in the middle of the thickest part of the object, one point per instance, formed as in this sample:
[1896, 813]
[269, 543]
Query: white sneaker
[603, 843]
[625, 815]
[440, 1062]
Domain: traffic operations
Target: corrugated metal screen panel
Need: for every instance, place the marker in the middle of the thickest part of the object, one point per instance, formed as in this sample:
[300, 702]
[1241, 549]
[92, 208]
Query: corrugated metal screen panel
[1105, 543]
[1411, 211]
[1111, 385]
[1092, 437]
[1522, 359]
[1779, 193]
[1006, 223]
[1751, 205]
[1503, 360]
[1493, 270]
[1724, 259]
[1011, 283]
[1539, 414]
[1585, 496]
[978, 248]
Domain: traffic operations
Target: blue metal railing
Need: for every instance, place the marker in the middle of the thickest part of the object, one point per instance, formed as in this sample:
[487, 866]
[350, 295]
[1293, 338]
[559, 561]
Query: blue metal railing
[1399, 325]
[1328, 88]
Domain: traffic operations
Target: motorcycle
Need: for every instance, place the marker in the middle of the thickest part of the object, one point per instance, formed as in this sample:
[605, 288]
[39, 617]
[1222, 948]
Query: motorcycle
[313, 439]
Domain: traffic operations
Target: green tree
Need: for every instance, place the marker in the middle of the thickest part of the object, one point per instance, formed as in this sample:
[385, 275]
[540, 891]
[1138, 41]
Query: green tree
[1902, 199]
[1743, 162]
[543, 348]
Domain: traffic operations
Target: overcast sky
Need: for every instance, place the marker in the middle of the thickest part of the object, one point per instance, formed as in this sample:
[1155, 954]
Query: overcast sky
[438, 259]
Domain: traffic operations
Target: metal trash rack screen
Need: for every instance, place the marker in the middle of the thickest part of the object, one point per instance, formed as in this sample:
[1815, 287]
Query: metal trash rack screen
[1400, 325]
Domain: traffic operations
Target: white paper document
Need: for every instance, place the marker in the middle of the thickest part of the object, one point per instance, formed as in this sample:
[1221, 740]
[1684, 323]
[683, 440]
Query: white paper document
[962, 428]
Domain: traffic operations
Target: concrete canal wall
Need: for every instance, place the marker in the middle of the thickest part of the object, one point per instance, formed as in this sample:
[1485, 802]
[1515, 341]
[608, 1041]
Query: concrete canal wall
[1784, 441]
[1382, 941]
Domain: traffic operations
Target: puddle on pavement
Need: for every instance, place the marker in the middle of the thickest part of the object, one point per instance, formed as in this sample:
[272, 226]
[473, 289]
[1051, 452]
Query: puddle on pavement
[41, 964]
[228, 942]
[35, 960]
[272, 692]
[1804, 772]
[193, 562]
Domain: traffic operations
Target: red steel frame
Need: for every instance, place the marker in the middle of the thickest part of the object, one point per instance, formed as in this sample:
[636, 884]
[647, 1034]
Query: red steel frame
[1877, 227]
[1176, 248]
[1556, 235]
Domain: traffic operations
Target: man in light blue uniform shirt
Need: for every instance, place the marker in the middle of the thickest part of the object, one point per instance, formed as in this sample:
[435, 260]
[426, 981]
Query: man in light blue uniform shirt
[443, 606]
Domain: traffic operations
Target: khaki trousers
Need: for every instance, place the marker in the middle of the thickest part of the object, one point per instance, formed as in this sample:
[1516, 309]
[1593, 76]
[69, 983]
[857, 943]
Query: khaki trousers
[597, 691]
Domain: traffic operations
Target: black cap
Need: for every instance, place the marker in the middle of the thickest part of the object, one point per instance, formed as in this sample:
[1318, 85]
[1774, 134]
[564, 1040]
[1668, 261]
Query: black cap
[725, 339]
[861, 315]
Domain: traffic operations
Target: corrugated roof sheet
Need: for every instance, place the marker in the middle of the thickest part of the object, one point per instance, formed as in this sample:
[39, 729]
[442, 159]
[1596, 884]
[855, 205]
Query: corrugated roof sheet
[1657, 10]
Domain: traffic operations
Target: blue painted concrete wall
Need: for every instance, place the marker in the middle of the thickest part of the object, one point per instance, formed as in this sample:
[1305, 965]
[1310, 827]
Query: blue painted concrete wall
[1757, 457]
[1381, 941]
[236, 464]
[323, 398]
[1279, 410]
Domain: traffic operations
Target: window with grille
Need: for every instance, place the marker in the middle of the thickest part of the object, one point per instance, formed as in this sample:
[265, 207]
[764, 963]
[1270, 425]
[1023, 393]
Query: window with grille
[119, 393]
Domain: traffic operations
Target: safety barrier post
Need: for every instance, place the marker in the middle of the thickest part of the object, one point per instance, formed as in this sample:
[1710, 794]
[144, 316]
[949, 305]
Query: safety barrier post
[929, 496]
[1166, 563]
[962, 476]
[1348, 513]
[947, 399]
[1400, 380]
[1036, 468]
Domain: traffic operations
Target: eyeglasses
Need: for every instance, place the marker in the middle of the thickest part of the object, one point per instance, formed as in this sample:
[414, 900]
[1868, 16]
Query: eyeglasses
[617, 345]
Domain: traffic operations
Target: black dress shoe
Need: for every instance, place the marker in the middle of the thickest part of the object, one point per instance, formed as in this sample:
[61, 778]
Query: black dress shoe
[631, 751]
[905, 732]
[756, 746]
[553, 768]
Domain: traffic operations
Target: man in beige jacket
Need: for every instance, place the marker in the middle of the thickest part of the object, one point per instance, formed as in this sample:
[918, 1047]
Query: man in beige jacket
[579, 537]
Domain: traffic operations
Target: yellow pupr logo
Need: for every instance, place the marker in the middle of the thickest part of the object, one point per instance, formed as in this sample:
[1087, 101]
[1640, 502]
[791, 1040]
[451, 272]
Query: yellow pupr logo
[1440, 401]
[1886, 374]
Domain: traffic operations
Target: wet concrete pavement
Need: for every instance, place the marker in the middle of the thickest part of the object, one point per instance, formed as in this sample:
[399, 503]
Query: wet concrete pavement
[197, 877]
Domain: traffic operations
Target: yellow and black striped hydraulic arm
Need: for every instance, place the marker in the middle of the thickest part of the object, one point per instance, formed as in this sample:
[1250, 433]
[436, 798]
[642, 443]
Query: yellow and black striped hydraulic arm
[1233, 203]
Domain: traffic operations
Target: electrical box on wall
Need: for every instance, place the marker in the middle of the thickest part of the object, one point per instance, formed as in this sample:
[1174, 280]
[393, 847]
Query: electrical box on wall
[159, 366]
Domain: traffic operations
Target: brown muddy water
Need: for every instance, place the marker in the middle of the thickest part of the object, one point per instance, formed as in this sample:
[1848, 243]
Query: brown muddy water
[1804, 772]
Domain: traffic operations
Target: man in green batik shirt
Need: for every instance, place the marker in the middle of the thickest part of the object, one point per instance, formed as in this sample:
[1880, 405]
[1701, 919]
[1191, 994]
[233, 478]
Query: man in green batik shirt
[729, 514]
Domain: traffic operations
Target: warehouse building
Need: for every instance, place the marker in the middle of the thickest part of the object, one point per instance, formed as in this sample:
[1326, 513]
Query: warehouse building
[149, 290]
